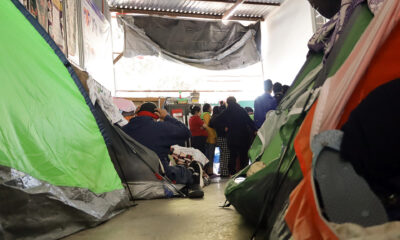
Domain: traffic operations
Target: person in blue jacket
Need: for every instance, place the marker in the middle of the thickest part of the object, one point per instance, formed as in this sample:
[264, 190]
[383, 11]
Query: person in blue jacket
[159, 136]
[264, 104]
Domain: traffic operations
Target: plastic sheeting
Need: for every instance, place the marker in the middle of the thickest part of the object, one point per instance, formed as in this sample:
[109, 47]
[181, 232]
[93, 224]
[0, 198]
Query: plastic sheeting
[204, 44]
[35, 209]
[98, 93]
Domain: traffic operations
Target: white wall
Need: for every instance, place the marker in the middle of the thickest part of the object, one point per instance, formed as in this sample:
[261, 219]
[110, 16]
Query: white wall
[286, 32]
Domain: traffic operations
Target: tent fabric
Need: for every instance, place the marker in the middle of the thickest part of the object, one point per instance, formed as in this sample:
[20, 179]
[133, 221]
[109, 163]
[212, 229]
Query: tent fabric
[382, 68]
[337, 90]
[205, 44]
[60, 145]
[349, 35]
[282, 172]
[275, 119]
[137, 165]
[326, 37]
[351, 231]
[303, 215]
[56, 176]
[279, 156]
[302, 142]
[343, 193]
[375, 5]
[385, 59]
[352, 31]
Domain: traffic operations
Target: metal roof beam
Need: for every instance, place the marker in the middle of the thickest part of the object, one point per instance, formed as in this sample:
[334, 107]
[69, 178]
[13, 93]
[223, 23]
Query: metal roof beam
[182, 14]
[245, 2]
[228, 13]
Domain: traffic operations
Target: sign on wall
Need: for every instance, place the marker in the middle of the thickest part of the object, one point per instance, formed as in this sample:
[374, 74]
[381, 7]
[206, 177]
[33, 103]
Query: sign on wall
[97, 45]
[55, 22]
[71, 15]
[49, 14]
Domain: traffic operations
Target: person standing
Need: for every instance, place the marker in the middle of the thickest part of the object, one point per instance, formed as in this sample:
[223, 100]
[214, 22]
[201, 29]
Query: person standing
[250, 111]
[222, 142]
[285, 88]
[240, 131]
[264, 104]
[198, 129]
[211, 138]
[278, 92]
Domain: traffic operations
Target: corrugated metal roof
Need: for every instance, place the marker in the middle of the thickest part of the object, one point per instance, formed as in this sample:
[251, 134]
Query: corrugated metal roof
[249, 9]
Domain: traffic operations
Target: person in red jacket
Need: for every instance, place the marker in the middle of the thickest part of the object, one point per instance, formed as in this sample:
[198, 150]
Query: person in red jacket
[198, 129]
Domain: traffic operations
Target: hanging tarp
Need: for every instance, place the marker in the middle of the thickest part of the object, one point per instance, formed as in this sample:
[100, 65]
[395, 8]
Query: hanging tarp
[205, 44]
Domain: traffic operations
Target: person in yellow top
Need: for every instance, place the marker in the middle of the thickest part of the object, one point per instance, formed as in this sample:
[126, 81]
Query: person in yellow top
[211, 139]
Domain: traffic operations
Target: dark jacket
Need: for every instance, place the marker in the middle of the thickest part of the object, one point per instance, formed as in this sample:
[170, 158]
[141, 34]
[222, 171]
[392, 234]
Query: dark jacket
[158, 136]
[262, 105]
[240, 126]
[218, 126]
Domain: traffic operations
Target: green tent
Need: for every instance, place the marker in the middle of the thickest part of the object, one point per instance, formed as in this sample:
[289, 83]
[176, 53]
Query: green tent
[262, 197]
[56, 175]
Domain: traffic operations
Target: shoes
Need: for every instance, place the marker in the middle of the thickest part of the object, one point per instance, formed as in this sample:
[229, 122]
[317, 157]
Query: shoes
[195, 190]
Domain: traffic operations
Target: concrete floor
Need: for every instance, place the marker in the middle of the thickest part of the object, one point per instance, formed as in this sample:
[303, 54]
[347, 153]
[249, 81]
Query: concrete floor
[177, 219]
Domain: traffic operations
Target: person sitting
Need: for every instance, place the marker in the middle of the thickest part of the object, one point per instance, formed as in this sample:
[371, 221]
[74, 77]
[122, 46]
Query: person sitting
[159, 136]
[264, 104]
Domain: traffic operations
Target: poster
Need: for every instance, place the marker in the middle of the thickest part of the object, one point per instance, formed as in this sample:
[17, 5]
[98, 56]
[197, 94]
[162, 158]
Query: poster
[70, 14]
[33, 8]
[55, 22]
[97, 45]
[42, 13]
